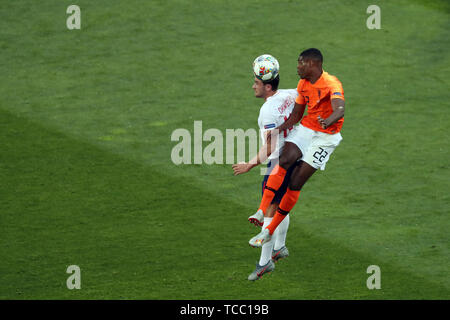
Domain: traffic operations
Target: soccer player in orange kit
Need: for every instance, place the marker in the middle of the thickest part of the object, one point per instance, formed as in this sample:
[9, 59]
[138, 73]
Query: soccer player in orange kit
[312, 141]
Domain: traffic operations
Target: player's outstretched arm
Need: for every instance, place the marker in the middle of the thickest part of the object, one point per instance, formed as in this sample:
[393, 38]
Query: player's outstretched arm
[294, 118]
[338, 106]
[262, 155]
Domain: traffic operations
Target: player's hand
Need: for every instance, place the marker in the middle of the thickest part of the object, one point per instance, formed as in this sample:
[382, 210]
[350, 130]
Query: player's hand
[323, 122]
[240, 168]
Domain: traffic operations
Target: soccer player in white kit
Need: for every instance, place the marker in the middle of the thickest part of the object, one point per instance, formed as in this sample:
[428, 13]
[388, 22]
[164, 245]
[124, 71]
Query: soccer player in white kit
[277, 107]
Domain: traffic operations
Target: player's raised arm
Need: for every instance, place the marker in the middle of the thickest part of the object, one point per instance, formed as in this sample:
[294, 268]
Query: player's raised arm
[338, 106]
[262, 155]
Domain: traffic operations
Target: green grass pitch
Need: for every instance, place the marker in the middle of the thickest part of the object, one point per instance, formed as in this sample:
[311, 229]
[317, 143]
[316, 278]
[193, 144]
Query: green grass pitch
[86, 176]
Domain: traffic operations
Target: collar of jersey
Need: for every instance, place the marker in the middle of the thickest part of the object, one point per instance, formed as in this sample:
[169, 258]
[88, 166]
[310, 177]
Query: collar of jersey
[321, 79]
[273, 95]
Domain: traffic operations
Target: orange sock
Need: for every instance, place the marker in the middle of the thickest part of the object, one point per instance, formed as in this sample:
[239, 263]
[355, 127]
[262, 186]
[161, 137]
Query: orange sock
[289, 200]
[287, 203]
[273, 184]
[276, 220]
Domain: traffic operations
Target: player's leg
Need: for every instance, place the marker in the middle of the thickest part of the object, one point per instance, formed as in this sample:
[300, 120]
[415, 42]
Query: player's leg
[289, 156]
[271, 210]
[301, 174]
[280, 234]
[258, 218]
[299, 177]
[317, 155]
[279, 250]
[267, 248]
[267, 251]
[274, 205]
[265, 263]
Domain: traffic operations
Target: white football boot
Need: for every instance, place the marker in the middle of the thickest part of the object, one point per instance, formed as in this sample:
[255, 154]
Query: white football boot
[261, 238]
[257, 219]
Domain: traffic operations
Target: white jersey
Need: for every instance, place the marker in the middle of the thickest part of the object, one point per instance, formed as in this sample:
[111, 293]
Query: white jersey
[274, 112]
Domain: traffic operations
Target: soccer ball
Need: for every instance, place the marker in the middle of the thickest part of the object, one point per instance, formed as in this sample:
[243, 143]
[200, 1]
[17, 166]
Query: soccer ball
[266, 67]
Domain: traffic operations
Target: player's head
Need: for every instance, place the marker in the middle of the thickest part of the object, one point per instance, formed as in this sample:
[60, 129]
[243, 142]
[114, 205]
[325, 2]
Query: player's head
[264, 89]
[309, 61]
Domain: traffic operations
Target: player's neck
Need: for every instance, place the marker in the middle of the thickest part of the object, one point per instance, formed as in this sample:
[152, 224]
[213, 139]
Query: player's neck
[316, 76]
[269, 94]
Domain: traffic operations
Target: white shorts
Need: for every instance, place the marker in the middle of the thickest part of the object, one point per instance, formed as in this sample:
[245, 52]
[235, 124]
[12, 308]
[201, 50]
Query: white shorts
[316, 146]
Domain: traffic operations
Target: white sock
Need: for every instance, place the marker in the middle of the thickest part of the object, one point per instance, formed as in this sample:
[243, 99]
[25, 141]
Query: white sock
[266, 250]
[280, 233]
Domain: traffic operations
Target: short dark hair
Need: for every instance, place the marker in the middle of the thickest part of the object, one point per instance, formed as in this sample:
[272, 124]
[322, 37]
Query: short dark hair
[274, 82]
[313, 54]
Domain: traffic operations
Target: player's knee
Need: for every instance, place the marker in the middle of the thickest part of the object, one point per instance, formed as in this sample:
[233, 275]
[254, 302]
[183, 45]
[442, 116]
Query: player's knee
[287, 159]
[285, 162]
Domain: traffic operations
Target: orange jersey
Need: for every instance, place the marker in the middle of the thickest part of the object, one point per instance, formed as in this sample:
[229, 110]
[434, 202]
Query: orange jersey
[318, 98]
